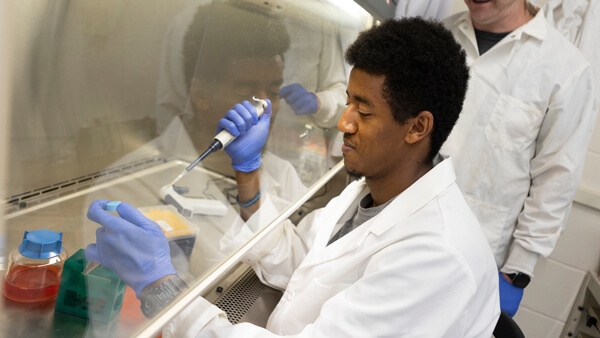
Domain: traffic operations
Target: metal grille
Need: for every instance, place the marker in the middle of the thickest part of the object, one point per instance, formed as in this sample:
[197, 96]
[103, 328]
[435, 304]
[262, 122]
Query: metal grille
[30, 198]
[239, 298]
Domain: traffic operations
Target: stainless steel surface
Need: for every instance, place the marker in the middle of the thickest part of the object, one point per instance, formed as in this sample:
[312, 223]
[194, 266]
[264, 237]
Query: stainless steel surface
[67, 214]
[154, 327]
[243, 297]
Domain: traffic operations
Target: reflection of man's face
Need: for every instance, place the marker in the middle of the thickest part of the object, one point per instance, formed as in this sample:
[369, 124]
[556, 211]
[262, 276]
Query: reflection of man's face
[243, 79]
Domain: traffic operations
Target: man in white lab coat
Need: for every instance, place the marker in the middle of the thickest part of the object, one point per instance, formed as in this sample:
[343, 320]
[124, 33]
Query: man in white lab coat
[397, 254]
[520, 143]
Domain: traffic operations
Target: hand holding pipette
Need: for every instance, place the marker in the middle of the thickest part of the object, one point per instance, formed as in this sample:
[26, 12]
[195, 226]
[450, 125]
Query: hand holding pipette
[236, 122]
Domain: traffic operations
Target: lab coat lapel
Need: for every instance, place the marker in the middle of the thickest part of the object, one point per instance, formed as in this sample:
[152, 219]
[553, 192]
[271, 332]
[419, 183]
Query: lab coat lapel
[412, 199]
[339, 210]
[420, 193]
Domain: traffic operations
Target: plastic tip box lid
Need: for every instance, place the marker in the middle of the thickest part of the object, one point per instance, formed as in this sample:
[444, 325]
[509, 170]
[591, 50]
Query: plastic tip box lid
[41, 244]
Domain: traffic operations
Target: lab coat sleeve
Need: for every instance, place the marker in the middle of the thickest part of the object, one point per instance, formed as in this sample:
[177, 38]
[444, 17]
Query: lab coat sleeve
[555, 171]
[275, 267]
[423, 296]
[331, 88]
[277, 256]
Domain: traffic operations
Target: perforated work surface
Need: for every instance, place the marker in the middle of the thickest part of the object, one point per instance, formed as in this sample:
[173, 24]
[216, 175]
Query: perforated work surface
[239, 298]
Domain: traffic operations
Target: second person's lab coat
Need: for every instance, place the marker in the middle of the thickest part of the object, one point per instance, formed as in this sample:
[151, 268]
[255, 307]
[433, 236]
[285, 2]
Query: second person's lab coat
[520, 142]
[420, 268]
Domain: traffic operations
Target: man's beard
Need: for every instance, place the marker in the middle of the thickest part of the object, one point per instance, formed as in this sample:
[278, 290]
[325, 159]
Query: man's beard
[352, 176]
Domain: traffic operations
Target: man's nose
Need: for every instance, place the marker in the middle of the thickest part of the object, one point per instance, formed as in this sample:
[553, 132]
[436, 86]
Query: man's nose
[346, 123]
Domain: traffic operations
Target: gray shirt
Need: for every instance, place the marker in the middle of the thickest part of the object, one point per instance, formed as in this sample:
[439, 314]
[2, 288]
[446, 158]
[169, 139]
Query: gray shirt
[363, 214]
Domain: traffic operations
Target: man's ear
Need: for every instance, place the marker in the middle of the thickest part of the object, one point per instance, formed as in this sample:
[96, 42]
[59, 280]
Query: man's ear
[421, 127]
[199, 96]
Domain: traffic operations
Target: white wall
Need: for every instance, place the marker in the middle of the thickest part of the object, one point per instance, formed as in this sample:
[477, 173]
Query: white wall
[549, 298]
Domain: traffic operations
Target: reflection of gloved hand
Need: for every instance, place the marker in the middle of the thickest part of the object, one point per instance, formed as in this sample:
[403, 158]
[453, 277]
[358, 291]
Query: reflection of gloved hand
[510, 296]
[251, 133]
[302, 101]
[132, 246]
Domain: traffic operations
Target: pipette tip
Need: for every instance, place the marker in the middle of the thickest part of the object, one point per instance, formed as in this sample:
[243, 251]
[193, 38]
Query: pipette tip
[176, 179]
[89, 267]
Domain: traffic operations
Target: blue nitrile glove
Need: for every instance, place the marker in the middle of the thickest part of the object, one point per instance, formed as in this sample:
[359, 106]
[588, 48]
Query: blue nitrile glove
[302, 101]
[132, 246]
[251, 132]
[510, 296]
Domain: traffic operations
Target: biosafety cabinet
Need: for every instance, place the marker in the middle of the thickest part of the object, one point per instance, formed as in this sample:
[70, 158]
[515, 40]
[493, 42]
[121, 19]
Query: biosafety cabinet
[111, 100]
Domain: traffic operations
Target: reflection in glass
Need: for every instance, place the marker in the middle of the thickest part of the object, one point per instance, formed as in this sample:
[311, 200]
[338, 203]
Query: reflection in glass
[112, 99]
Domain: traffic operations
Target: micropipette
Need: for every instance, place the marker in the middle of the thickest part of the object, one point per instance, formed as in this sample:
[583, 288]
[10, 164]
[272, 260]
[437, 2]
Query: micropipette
[222, 140]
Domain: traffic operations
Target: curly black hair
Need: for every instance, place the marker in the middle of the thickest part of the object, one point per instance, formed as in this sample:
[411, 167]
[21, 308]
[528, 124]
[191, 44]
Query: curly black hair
[424, 67]
[222, 32]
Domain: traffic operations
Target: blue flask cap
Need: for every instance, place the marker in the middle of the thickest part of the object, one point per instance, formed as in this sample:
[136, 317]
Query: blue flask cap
[40, 244]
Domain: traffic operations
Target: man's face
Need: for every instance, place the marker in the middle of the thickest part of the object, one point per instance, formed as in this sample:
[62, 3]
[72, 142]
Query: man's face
[498, 16]
[374, 143]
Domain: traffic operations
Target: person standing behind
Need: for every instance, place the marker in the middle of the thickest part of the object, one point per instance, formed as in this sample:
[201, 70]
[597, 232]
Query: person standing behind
[520, 142]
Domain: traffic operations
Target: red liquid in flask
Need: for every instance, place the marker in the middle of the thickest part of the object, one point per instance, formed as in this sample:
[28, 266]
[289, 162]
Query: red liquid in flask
[32, 283]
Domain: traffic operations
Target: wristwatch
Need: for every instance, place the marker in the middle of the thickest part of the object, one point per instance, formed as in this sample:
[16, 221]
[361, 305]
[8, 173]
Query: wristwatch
[157, 298]
[519, 280]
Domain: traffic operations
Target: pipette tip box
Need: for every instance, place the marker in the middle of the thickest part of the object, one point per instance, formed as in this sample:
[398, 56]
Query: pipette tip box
[176, 227]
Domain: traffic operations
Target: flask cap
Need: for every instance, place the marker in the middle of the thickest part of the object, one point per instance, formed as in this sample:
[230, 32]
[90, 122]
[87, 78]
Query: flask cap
[41, 244]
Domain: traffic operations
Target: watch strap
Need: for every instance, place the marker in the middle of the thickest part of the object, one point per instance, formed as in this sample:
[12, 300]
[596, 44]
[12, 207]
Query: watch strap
[519, 279]
[157, 298]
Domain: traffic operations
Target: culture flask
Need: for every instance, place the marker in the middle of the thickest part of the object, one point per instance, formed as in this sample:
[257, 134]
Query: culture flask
[35, 267]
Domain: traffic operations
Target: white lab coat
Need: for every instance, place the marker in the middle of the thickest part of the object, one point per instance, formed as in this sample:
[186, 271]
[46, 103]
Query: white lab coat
[579, 22]
[421, 268]
[520, 143]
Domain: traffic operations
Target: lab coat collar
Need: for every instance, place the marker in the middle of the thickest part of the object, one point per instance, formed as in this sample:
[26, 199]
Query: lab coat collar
[409, 201]
[536, 27]
[425, 189]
